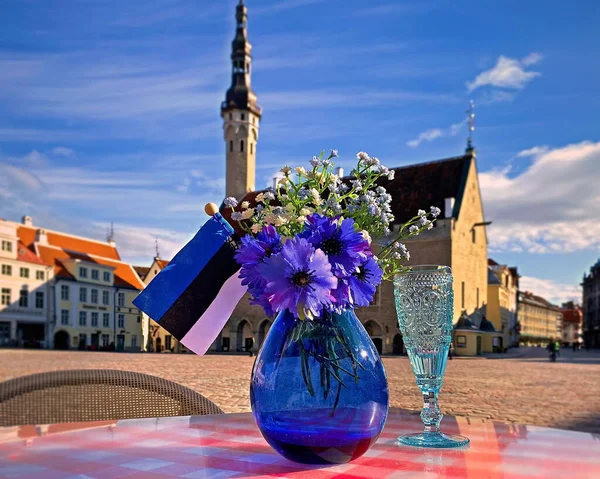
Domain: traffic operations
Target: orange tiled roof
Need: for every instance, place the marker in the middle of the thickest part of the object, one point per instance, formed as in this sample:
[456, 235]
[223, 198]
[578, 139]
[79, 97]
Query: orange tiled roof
[28, 256]
[27, 235]
[125, 275]
[162, 263]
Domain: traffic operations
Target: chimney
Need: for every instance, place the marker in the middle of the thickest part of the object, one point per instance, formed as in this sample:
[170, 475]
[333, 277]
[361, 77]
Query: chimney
[448, 207]
[339, 171]
[27, 221]
[41, 237]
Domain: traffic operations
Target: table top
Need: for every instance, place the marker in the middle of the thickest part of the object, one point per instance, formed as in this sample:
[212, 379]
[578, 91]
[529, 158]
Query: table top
[230, 446]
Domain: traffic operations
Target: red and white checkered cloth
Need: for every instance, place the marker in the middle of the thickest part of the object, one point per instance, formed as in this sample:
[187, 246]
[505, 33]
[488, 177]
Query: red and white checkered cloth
[230, 446]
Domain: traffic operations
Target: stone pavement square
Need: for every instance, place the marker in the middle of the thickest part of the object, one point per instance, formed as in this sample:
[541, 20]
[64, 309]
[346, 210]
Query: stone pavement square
[527, 389]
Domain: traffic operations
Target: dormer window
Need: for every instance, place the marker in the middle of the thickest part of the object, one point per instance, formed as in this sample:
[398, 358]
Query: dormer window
[83, 272]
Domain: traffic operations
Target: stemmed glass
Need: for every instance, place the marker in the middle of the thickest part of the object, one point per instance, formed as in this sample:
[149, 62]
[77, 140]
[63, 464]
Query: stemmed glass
[425, 306]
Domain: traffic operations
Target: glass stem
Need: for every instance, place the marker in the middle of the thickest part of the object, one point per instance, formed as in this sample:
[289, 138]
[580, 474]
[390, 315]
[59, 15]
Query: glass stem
[431, 414]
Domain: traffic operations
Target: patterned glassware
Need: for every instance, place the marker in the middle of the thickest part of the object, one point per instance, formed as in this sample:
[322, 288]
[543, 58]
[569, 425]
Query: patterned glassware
[425, 306]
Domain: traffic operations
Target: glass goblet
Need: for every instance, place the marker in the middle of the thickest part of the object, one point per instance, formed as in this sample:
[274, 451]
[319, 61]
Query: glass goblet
[425, 307]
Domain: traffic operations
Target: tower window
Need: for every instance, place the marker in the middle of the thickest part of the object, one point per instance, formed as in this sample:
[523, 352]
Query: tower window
[242, 116]
[242, 146]
[231, 145]
[251, 148]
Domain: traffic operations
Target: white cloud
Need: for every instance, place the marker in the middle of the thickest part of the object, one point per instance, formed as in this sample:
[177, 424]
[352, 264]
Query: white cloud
[551, 290]
[434, 133]
[552, 206]
[535, 151]
[63, 151]
[507, 73]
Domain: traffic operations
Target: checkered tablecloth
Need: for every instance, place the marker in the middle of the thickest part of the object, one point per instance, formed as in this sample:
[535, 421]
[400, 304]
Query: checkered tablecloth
[228, 446]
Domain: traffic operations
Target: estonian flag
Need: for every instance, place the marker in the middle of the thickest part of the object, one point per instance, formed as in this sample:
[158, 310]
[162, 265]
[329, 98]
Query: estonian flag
[194, 296]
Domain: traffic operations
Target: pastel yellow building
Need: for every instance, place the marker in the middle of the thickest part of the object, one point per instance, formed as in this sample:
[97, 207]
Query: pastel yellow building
[501, 310]
[91, 292]
[539, 319]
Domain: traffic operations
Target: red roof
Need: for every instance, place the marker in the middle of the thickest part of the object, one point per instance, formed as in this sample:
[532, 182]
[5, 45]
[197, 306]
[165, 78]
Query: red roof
[162, 263]
[28, 256]
[573, 315]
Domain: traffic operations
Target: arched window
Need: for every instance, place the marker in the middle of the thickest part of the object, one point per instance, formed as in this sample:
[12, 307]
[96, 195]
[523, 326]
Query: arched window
[242, 116]
[242, 146]
[230, 145]
[251, 148]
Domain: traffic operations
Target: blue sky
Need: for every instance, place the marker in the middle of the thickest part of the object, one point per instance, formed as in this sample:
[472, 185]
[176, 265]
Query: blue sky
[109, 111]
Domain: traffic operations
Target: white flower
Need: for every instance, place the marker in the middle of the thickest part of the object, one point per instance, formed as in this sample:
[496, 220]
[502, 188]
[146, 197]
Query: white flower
[260, 198]
[316, 197]
[245, 204]
[305, 211]
[413, 229]
[421, 213]
[247, 214]
[430, 225]
[230, 202]
[366, 236]
[362, 156]
[269, 196]
[407, 255]
[286, 170]
[315, 162]
[300, 170]
[435, 211]
[391, 174]
[256, 228]
[397, 245]
[300, 219]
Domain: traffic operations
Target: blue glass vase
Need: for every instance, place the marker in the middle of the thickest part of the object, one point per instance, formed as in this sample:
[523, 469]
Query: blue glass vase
[318, 391]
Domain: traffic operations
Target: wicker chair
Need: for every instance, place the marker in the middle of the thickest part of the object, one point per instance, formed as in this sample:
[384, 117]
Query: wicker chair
[95, 395]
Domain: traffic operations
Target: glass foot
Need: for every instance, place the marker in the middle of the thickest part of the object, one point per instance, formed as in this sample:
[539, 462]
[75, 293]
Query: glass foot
[433, 439]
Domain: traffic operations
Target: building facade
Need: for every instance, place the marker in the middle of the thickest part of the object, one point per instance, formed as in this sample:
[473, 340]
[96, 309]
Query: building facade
[25, 293]
[501, 311]
[88, 290]
[572, 325]
[591, 307]
[540, 320]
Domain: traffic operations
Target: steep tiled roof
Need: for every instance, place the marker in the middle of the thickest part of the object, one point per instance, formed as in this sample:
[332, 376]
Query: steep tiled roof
[28, 256]
[27, 235]
[162, 263]
[414, 187]
[492, 278]
[142, 271]
[573, 315]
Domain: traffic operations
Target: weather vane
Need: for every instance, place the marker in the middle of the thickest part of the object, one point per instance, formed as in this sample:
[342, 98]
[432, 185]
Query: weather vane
[471, 122]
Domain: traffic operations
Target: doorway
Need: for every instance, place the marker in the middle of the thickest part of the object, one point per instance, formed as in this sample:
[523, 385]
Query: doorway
[61, 340]
[398, 344]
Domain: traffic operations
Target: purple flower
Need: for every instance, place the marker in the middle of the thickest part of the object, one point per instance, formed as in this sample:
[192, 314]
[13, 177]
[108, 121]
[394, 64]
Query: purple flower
[345, 247]
[359, 288]
[252, 253]
[299, 279]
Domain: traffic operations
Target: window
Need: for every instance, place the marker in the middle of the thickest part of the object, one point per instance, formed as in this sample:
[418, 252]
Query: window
[5, 298]
[94, 319]
[7, 270]
[139, 319]
[105, 299]
[39, 275]
[473, 235]
[39, 300]
[168, 338]
[133, 341]
[121, 322]
[6, 246]
[230, 145]
[94, 296]
[462, 295]
[105, 340]
[105, 320]
[83, 295]
[106, 276]
[64, 292]
[251, 148]
[83, 272]
[82, 318]
[242, 117]
[461, 341]
[95, 274]
[24, 272]
[64, 316]
[24, 298]
[121, 299]
[242, 146]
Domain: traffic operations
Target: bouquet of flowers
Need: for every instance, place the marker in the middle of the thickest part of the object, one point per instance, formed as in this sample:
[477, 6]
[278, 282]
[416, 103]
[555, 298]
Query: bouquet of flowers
[318, 244]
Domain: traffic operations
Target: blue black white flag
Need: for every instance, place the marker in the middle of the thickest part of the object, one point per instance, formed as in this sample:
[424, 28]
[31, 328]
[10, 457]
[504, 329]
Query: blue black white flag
[195, 294]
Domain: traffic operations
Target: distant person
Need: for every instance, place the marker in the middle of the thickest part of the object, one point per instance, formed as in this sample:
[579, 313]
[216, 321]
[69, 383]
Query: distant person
[557, 347]
[450, 351]
[551, 348]
[574, 346]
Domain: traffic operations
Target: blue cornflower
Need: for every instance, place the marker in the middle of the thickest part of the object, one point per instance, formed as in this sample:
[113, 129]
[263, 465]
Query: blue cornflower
[299, 279]
[316, 162]
[344, 246]
[359, 288]
[252, 253]
[230, 202]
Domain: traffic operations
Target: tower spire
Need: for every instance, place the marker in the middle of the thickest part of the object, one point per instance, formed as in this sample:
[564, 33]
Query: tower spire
[471, 122]
[156, 248]
[241, 113]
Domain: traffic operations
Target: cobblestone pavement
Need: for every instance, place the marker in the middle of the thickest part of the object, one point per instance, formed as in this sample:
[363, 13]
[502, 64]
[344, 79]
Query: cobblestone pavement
[528, 389]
